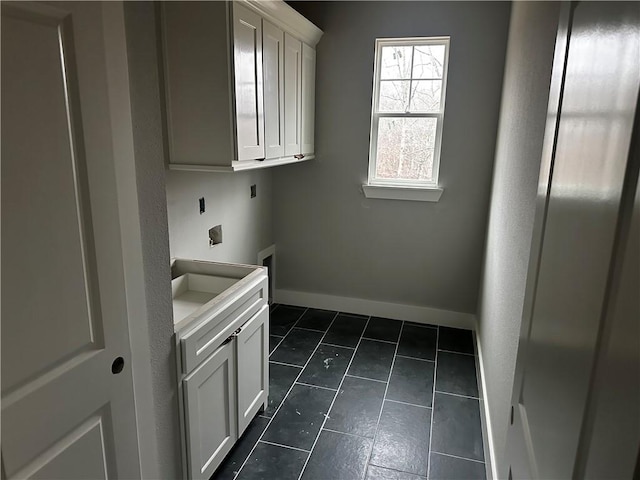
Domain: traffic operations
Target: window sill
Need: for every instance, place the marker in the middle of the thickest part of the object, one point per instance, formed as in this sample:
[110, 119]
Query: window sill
[417, 194]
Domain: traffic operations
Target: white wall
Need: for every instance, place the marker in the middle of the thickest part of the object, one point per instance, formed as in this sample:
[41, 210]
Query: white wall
[330, 238]
[246, 222]
[149, 159]
[522, 120]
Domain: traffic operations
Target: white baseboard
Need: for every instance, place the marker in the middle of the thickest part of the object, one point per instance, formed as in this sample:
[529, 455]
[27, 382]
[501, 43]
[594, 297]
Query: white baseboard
[397, 311]
[485, 415]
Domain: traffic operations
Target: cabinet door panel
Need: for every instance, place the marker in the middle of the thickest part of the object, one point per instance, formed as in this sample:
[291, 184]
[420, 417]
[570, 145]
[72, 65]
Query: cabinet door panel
[253, 367]
[210, 411]
[273, 69]
[247, 49]
[292, 94]
[308, 99]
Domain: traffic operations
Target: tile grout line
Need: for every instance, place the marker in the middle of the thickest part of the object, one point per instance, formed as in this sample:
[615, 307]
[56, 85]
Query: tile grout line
[457, 353]
[457, 395]
[283, 446]
[315, 386]
[406, 403]
[364, 378]
[334, 399]
[378, 340]
[285, 364]
[334, 345]
[281, 340]
[458, 456]
[283, 398]
[345, 433]
[433, 402]
[288, 331]
[416, 358]
[384, 397]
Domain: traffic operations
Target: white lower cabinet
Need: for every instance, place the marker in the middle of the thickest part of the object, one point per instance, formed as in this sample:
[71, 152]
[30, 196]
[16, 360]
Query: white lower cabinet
[210, 409]
[224, 393]
[252, 347]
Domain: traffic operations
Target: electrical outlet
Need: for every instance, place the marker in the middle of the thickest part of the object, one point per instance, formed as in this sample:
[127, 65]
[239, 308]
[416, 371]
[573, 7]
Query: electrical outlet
[253, 191]
[215, 235]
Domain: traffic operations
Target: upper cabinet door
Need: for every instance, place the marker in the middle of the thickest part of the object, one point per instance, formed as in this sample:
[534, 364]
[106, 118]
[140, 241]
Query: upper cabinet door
[273, 67]
[292, 94]
[247, 55]
[308, 98]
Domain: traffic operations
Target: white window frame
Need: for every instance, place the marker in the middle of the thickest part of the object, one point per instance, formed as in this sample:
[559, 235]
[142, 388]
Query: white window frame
[409, 186]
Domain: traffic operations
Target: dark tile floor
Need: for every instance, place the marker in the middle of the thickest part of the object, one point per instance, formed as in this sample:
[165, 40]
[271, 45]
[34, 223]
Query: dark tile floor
[363, 398]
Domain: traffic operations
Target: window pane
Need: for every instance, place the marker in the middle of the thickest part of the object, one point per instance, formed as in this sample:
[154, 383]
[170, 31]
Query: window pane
[405, 148]
[425, 96]
[395, 62]
[394, 96]
[428, 61]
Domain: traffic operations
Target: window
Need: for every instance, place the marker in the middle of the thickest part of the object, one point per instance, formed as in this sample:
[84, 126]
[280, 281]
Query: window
[410, 80]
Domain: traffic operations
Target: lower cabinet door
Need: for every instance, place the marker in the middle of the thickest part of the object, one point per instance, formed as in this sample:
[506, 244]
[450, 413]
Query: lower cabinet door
[253, 367]
[210, 410]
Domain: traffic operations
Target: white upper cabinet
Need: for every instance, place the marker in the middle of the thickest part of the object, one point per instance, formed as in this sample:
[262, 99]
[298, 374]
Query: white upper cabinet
[236, 97]
[247, 57]
[273, 73]
[292, 94]
[308, 99]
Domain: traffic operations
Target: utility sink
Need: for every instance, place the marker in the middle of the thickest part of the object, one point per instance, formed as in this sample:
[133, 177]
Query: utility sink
[199, 287]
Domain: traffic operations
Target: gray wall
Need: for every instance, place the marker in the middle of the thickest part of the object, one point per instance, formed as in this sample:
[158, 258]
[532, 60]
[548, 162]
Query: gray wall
[149, 157]
[246, 222]
[515, 179]
[330, 238]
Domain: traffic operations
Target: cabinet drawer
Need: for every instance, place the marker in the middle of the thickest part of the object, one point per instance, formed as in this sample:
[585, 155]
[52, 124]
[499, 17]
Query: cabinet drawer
[203, 340]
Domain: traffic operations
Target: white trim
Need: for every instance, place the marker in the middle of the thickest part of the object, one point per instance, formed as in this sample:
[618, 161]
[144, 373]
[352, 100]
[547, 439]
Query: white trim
[485, 415]
[130, 232]
[239, 165]
[390, 192]
[376, 115]
[262, 254]
[286, 18]
[397, 311]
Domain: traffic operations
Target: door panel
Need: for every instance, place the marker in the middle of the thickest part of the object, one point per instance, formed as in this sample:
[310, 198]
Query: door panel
[253, 368]
[592, 147]
[308, 99]
[64, 317]
[247, 48]
[44, 200]
[78, 456]
[292, 94]
[273, 68]
[210, 402]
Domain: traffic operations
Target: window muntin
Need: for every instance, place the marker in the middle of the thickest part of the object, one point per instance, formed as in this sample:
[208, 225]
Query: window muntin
[410, 78]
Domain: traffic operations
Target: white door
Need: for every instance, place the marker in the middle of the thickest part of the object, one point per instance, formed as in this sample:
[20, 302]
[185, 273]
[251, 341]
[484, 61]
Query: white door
[273, 69]
[247, 56]
[253, 367]
[67, 393]
[308, 99]
[580, 221]
[210, 403]
[292, 94]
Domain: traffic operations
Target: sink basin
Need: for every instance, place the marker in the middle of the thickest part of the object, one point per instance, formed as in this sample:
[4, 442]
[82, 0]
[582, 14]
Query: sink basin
[191, 291]
[198, 288]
